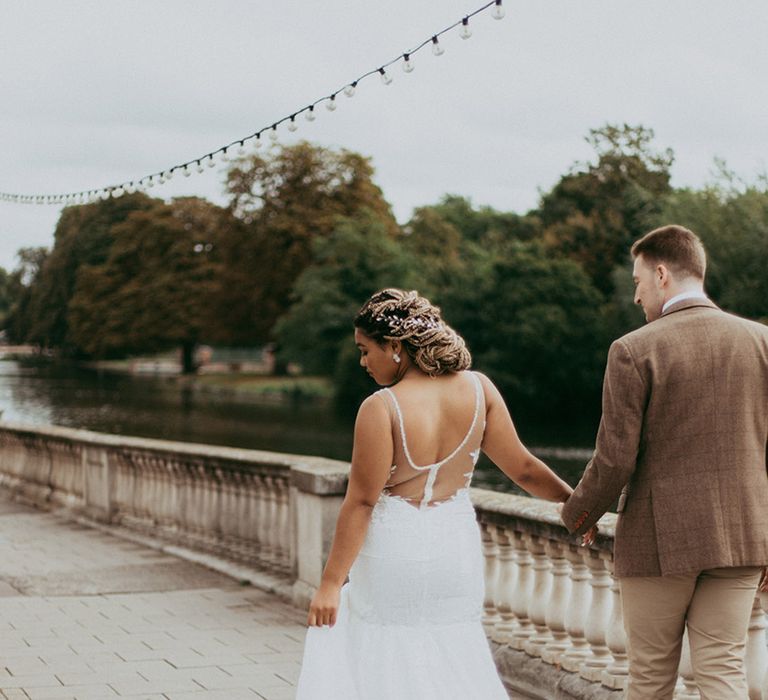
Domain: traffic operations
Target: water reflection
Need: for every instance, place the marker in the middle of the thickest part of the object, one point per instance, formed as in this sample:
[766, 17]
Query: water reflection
[168, 409]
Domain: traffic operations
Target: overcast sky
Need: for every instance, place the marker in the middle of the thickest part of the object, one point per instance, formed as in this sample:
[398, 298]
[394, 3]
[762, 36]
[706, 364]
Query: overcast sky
[94, 93]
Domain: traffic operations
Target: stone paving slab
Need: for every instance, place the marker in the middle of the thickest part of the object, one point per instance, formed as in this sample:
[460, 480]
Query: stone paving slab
[87, 615]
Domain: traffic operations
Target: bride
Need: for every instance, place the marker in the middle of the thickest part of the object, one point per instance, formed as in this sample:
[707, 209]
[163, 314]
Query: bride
[408, 623]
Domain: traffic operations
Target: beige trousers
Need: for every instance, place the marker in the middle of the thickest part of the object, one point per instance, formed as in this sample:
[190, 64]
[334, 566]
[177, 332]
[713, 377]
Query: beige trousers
[715, 605]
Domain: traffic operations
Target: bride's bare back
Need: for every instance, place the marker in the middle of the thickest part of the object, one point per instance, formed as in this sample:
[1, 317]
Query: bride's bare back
[437, 428]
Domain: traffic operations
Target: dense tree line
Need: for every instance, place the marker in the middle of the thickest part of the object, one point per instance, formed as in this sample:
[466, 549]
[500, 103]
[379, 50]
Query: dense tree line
[307, 236]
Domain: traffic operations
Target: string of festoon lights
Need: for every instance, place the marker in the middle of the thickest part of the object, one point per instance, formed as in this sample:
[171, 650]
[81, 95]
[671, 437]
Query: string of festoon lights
[238, 147]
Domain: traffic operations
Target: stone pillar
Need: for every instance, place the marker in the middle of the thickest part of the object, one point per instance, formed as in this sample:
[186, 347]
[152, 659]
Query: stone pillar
[316, 496]
[97, 483]
[506, 584]
[597, 618]
[616, 675]
[558, 603]
[491, 575]
[576, 613]
[521, 598]
[542, 584]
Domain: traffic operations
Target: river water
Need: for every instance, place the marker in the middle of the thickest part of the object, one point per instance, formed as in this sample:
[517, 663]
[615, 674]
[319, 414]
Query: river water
[162, 407]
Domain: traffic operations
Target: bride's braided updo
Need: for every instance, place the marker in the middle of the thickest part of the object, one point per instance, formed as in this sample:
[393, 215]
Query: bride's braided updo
[394, 314]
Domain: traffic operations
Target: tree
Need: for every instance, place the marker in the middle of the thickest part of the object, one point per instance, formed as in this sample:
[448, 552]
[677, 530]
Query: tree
[282, 202]
[731, 218]
[20, 285]
[82, 237]
[594, 213]
[357, 259]
[534, 323]
[153, 291]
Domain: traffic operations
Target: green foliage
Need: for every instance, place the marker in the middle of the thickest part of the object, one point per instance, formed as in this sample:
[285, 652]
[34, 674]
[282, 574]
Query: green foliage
[732, 220]
[21, 285]
[284, 201]
[357, 259]
[151, 292]
[82, 238]
[534, 324]
[594, 213]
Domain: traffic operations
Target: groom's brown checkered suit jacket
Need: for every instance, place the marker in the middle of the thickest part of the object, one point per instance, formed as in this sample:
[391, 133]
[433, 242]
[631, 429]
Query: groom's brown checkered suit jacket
[685, 433]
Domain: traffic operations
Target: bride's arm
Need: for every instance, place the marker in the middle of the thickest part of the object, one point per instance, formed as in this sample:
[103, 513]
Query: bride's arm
[371, 462]
[503, 446]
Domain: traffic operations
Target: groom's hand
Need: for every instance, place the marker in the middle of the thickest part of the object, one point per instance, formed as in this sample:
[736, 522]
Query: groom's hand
[589, 536]
[763, 587]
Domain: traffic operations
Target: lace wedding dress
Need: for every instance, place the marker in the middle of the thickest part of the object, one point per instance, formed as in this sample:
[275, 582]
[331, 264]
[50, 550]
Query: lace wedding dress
[409, 621]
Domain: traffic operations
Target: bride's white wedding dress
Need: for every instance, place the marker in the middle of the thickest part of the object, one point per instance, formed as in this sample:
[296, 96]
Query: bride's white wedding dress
[409, 622]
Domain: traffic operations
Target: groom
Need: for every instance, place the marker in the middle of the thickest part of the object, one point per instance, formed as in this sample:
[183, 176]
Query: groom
[682, 445]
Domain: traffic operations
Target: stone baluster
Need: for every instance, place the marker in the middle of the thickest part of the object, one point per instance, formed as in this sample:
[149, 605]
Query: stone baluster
[617, 674]
[686, 685]
[265, 552]
[273, 535]
[523, 594]
[558, 603]
[756, 656]
[240, 486]
[208, 511]
[576, 613]
[228, 513]
[505, 585]
[282, 524]
[491, 615]
[542, 584]
[597, 618]
[252, 486]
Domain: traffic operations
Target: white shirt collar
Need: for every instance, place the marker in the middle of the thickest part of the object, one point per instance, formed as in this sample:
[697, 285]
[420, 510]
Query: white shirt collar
[682, 297]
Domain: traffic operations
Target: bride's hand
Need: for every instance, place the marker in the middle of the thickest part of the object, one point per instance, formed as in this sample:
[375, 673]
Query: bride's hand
[324, 606]
[763, 587]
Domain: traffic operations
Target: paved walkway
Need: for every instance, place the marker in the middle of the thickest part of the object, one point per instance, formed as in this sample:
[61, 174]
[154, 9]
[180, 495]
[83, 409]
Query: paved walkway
[84, 614]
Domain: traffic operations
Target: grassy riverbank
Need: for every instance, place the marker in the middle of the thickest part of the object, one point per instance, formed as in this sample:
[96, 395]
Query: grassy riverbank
[263, 386]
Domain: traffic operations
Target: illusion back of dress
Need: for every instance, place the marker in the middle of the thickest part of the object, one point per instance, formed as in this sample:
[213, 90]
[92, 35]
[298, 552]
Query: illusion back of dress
[431, 484]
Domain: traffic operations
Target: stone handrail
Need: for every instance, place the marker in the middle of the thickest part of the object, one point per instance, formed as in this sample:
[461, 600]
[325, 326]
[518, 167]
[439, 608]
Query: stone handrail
[552, 608]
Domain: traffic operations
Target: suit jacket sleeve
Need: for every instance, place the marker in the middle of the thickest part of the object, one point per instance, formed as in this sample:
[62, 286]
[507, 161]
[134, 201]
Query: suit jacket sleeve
[625, 397]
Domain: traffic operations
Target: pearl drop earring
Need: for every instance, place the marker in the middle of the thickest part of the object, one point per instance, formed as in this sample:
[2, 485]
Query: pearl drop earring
[396, 358]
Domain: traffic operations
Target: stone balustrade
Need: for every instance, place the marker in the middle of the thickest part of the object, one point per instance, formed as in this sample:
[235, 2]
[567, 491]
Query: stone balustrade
[552, 608]
[551, 600]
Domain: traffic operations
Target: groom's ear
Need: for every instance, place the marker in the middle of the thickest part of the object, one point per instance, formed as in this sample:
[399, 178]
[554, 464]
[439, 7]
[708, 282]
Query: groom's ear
[662, 275]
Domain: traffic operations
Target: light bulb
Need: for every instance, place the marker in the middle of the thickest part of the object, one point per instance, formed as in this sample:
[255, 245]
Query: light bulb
[349, 91]
[160, 179]
[330, 104]
[241, 149]
[310, 113]
[273, 133]
[498, 10]
[224, 156]
[211, 161]
[465, 32]
[151, 182]
[407, 63]
[186, 171]
[292, 125]
[385, 77]
[437, 50]
[199, 167]
[257, 141]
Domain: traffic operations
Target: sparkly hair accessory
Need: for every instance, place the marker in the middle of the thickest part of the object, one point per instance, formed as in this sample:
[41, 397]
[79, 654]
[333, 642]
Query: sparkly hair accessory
[409, 324]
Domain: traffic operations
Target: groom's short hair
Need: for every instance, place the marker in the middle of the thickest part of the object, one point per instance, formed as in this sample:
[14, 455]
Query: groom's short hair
[677, 247]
